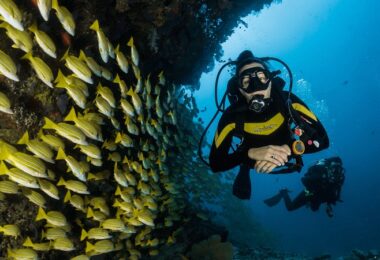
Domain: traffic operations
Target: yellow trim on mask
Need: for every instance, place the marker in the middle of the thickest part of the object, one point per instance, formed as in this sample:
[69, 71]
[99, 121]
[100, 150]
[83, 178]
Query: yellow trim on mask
[226, 130]
[304, 110]
[265, 128]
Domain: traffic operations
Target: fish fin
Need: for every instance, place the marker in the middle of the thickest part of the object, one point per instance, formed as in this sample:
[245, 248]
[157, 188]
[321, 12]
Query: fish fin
[71, 116]
[95, 26]
[118, 138]
[33, 28]
[41, 214]
[49, 124]
[83, 234]
[61, 182]
[89, 247]
[67, 196]
[130, 42]
[28, 242]
[24, 139]
[61, 154]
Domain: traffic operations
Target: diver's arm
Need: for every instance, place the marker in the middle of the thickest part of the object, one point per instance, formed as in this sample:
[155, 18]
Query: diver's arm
[220, 158]
[315, 136]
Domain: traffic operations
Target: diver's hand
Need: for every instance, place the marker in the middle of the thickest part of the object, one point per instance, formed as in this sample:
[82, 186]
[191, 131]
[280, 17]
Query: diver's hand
[276, 154]
[264, 166]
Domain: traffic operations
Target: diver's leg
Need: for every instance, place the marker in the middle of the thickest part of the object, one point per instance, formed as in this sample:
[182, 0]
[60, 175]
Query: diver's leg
[298, 202]
[242, 184]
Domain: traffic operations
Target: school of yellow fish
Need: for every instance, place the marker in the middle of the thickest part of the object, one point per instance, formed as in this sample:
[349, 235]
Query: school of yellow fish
[122, 139]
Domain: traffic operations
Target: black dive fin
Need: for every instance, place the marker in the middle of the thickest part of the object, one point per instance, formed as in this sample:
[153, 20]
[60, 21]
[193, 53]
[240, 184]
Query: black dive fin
[272, 201]
[242, 183]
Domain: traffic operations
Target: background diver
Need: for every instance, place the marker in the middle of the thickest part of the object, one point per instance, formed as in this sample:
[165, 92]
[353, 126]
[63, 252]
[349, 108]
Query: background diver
[323, 183]
[272, 125]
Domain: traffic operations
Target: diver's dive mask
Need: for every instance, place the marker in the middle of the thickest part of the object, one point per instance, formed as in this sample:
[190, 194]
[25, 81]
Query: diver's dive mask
[252, 80]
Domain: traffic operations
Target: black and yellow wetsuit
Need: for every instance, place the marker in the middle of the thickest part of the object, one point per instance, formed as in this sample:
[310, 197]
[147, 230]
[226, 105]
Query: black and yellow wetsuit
[267, 128]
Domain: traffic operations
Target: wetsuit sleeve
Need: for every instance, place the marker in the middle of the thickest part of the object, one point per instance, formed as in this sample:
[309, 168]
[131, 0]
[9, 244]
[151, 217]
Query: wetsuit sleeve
[315, 136]
[220, 158]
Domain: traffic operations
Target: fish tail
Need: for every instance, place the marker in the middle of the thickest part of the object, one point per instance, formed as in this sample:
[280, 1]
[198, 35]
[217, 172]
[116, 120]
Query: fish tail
[82, 56]
[130, 42]
[65, 55]
[118, 190]
[61, 154]
[27, 56]
[117, 78]
[83, 235]
[28, 242]
[90, 213]
[95, 26]
[41, 214]
[3, 168]
[61, 182]
[67, 196]
[49, 124]
[24, 139]
[71, 116]
[118, 138]
[91, 176]
[89, 247]
[33, 28]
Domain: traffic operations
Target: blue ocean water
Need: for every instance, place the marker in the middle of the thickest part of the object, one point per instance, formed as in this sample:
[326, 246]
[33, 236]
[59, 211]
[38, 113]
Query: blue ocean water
[333, 49]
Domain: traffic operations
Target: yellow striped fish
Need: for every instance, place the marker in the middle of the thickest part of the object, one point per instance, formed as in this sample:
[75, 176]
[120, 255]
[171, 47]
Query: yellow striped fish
[73, 165]
[44, 6]
[42, 70]
[8, 67]
[36, 246]
[70, 132]
[5, 104]
[21, 39]
[53, 217]
[19, 176]
[40, 149]
[65, 17]
[11, 14]
[10, 230]
[76, 186]
[89, 128]
[78, 67]
[44, 41]
[22, 253]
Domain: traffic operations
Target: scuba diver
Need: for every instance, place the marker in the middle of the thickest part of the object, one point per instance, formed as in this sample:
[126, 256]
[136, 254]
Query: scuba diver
[273, 127]
[323, 183]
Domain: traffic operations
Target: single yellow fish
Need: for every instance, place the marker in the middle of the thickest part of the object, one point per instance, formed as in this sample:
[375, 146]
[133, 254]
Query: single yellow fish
[5, 104]
[42, 70]
[134, 53]
[44, 6]
[10, 230]
[65, 17]
[21, 39]
[44, 41]
[70, 132]
[53, 217]
[102, 41]
[22, 253]
[36, 246]
[11, 14]
[8, 67]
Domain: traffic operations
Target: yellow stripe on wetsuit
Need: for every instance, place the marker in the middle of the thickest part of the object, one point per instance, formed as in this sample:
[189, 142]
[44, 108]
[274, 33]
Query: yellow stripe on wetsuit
[263, 128]
[304, 110]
